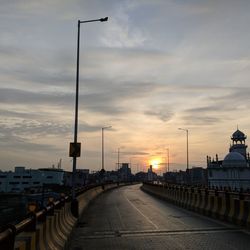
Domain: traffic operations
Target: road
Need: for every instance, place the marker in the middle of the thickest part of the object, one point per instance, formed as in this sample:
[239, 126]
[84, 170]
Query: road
[128, 218]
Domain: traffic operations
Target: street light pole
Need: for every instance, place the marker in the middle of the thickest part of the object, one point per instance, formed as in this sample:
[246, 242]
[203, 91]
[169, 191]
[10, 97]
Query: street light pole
[118, 159]
[74, 205]
[187, 146]
[168, 159]
[103, 145]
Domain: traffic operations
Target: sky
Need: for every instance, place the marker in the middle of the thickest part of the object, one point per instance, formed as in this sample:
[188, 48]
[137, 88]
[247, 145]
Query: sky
[154, 67]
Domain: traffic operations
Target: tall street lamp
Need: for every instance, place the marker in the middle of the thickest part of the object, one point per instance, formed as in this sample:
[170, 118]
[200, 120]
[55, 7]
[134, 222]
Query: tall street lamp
[130, 162]
[103, 145]
[75, 147]
[118, 159]
[187, 145]
[168, 158]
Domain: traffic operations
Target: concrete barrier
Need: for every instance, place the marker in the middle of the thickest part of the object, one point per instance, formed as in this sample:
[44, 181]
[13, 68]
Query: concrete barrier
[223, 209]
[231, 207]
[204, 201]
[217, 206]
[26, 240]
[248, 214]
[20, 245]
[243, 210]
[193, 199]
[198, 200]
[41, 241]
[210, 203]
[184, 197]
[178, 196]
[51, 228]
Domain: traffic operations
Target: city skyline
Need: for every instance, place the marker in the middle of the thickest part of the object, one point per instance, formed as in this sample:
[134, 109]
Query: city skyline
[153, 67]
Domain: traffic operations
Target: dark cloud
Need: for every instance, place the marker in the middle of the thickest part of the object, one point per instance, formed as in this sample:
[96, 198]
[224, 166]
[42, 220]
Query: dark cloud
[136, 153]
[201, 120]
[13, 142]
[37, 69]
[201, 110]
[234, 95]
[107, 101]
[220, 106]
[34, 128]
[26, 97]
[207, 115]
[29, 126]
[85, 127]
[14, 114]
[163, 115]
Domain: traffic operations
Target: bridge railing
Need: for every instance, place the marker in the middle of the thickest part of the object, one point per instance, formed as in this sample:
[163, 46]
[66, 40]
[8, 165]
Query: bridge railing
[51, 227]
[228, 206]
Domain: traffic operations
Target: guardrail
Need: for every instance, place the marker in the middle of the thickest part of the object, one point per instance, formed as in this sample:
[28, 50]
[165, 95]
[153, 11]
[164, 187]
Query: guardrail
[51, 227]
[228, 206]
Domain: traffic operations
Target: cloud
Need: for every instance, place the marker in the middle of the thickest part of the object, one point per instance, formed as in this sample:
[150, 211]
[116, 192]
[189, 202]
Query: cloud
[218, 107]
[177, 62]
[108, 100]
[28, 129]
[136, 153]
[201, 120]
[26, 97]
[85, 127]
[121, 32]
[19, 144]
[14, 114]
[163, 115]
[25, 125]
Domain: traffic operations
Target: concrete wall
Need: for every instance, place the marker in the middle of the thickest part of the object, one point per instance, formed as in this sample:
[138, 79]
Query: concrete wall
[52, 230]
[222, 205]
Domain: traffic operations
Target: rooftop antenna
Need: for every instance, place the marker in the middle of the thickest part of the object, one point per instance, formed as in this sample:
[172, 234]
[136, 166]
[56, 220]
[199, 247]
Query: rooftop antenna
[59, 165]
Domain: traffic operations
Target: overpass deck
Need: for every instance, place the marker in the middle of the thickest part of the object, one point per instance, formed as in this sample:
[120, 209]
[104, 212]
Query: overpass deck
[128, 218]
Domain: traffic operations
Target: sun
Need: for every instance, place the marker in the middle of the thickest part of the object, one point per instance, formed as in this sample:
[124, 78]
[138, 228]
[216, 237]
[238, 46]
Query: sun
[155, 163]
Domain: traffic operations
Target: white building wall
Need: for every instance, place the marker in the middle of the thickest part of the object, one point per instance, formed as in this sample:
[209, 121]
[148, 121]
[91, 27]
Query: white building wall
[22, 178]
[235, 178]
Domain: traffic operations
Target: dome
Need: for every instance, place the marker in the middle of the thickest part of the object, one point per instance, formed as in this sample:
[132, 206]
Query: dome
[238, 135]
[234, 159]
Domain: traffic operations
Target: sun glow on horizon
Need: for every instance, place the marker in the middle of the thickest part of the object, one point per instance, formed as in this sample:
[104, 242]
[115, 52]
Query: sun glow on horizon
[155, 163]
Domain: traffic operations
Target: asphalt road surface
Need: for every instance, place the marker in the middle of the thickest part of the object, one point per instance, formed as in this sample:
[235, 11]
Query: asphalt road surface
[128, 218]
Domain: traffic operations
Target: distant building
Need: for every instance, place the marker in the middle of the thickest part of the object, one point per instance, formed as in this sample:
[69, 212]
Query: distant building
[170, 177]
[152, 176]
[141, 176]
[24, 179]
[124, 172]
[198, 176]
[111, 176]
[182, 177]
[149, 176]
[120, 175]
[81, 178]
[193, 176]
[176, 177]
[234, 171]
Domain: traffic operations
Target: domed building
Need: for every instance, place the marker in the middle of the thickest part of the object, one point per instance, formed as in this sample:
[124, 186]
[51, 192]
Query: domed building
[234, 170]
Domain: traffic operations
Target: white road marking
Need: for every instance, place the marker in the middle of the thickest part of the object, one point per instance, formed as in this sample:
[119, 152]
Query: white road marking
[119, 214]
[159, 233]
[139, 211]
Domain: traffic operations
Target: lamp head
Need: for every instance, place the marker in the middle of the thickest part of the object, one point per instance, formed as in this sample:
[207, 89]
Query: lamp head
[184, 129]
[105, 19]
[107, 127]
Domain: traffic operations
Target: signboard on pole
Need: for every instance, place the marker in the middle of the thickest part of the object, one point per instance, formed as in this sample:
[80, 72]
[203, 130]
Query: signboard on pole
[75, 149]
